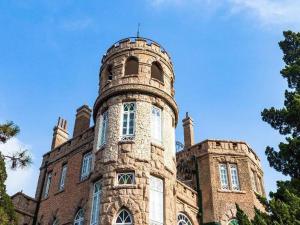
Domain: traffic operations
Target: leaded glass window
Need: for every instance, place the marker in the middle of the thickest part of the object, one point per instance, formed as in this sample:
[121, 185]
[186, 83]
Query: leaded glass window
[124, 218]
[156, 201]
[253, 180]
[79, 218]
[233, 222]
[156, 123]
[234, 177]
[48, 183]
[86, 165]
[125, 178]
[183, 219]
[63, 177]
[128, 126]
[95, 212]
[103, 129]
[223, 176]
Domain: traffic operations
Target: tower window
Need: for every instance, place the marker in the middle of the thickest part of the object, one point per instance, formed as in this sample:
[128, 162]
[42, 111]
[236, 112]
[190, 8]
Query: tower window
[96, 204]
[131, 66]
[223, 176]
[124, 218]
[128, 127]
[79, 218]
[63, 177]
[103, 129]
[156, 213]
[48, 183]
[107, 73]
[86, 165]
[183, 220]
[125, 178]
[156, 123]
[157, 72]
[253, 180]
[234, 177]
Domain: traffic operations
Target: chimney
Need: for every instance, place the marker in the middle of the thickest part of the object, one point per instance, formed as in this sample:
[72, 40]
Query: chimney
[82, 121]
[188, 128]
[60, 133]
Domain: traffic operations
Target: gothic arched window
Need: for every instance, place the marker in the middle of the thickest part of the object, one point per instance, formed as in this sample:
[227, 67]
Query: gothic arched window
[233, 222]
[183, 220]
[55, 222]
[131, 66]
[124, 218]
[79, 218]
[157, 72]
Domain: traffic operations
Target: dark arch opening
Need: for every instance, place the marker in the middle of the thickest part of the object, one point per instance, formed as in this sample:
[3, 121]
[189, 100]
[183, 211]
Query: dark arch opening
[157, 72]
[131, 66]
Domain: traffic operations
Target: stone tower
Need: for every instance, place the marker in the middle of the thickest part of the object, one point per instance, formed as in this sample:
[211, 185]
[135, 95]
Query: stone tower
[135, 116]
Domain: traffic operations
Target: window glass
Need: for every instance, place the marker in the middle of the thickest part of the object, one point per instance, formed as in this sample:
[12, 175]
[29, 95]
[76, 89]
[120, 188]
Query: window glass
[156, 123]
[156, 201]
[131, 66]
[183, 219]
[63, 177]
[157, 72]
[234, 177]
[128, 120]
[86, 165]
[103, 129]
[223, 176]
[124, 218]
[79, 218]
[47, 187]
[253, 181]
[125, 178]
[96, 204]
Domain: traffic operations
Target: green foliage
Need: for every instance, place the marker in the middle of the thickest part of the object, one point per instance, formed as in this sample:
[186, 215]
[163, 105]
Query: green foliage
[241, 217]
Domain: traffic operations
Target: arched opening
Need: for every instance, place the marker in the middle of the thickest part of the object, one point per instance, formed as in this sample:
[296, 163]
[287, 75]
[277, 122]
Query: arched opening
[131, 66]
[182, 219]
[233, 222]
[107, 73]
[124, 218]
[157, 72]
[79, 218]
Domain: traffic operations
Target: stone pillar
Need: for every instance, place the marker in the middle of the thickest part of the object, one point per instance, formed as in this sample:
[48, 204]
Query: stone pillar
[60, 133]
[82, 121]
[188, 128]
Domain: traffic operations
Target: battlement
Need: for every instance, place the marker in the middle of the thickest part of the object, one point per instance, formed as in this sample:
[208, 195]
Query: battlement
[136, 42]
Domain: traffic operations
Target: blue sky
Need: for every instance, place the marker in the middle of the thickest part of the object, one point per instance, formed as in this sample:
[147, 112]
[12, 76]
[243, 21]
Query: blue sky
[225, 54]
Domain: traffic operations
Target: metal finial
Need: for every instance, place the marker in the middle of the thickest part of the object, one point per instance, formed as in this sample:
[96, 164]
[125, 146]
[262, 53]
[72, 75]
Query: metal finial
[138, 30]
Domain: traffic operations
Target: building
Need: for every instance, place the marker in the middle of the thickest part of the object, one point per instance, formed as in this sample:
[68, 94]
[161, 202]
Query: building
[125, 169]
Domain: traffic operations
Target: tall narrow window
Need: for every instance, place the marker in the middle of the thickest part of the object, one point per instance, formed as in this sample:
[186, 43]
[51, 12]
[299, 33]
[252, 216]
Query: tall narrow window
[48, 183]
[86, 165]
[103, 129]
[253, 180]
[79, 218]
[131, 66]
[156, 123]
[96, 204]
[156, 213]
[223, 176]
[63, 177]
[234, 177]
[128, 120]
[124, 218]
[157, 72]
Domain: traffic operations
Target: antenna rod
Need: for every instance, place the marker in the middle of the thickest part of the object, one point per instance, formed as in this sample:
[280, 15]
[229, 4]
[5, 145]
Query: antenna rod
[138, 30]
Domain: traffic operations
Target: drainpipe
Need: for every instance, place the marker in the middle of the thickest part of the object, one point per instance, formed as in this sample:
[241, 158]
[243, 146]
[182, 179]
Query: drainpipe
[199, 191]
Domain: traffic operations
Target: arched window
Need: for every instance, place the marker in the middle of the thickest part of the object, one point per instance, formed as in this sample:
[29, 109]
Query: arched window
[183, 220]
[107, 73]
[233, 222]
[124, 218]
[131, 66]
[157, 72]
[79, 218]
[55, 222]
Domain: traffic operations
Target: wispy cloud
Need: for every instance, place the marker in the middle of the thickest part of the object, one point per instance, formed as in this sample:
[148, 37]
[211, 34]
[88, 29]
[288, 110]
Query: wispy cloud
[77, 24]
[267, 12]
[20, 179]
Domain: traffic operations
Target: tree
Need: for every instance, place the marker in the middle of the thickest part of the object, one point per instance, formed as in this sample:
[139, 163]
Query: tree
[284, 205]
[18, 159]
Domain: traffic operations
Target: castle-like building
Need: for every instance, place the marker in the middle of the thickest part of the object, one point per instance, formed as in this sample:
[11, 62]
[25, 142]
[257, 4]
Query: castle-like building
[125, 170]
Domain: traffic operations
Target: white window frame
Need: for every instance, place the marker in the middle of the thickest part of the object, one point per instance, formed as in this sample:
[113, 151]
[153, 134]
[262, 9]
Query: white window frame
[124, 218]
[235, 183]
[95, 210]
[253, 180]
[48, 183]
[102, 129]
[156, 201]
[124, 174]
[223, 171]
[79, 217]
[86, 165]
[127, 135]
[183, 219]
[63, 177]
[156, 123]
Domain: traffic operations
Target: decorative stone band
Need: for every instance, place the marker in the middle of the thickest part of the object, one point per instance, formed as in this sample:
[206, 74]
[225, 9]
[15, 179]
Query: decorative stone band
[135, 88]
